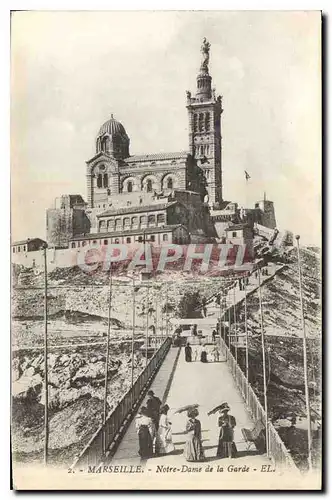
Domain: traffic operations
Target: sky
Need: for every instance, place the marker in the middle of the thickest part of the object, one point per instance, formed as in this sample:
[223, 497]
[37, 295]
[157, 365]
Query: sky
[71, 70]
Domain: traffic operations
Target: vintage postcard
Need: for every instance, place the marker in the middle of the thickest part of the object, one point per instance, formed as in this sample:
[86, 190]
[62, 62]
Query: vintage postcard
[166, 250]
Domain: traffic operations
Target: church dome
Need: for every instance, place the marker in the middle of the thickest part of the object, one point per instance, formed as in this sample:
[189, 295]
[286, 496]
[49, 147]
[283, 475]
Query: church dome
[113, 139]
[113, 128]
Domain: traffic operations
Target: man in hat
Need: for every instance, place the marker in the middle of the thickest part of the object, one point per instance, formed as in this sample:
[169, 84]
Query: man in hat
[153, 404]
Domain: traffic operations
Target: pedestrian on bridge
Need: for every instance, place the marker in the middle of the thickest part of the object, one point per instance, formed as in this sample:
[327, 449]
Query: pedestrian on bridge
[215, 354]
[153, 405]
[193, 450]
[164, 437]
[188, 352]
[146, 433]
[204, 308]
[226, 422]
[204, 355]
[195, 352]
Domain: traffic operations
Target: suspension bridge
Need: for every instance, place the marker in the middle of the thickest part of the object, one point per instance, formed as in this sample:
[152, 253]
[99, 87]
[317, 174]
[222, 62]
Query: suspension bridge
[179, 383]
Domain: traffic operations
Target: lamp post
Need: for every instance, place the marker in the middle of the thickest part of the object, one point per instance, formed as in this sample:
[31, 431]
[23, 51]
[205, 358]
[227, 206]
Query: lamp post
[246, 332]
[157, 338]
[166, 315]
[107, 357]
[229, 329]
[235, 333]
[305, 363]
[264, 362]
[46, 422]
[220, 306]
[132, 341]
[161, 322]
[147, 324]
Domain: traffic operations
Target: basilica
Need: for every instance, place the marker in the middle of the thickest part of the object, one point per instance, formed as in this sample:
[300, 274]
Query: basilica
[175, 197]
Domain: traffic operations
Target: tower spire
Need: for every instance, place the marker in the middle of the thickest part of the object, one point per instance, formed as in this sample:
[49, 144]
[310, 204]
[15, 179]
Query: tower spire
[205, 50]
[203, 78]
[204, 113]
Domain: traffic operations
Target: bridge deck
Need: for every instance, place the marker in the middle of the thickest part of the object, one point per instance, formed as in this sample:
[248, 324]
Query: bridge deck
[208, 385]
[128, 448]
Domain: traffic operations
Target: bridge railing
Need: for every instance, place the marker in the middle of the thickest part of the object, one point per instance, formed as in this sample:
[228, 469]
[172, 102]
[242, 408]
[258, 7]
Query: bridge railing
[277, 449]
[106, 435]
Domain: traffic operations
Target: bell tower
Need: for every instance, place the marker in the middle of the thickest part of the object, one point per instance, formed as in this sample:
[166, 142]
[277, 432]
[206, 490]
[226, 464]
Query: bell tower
[204, 113]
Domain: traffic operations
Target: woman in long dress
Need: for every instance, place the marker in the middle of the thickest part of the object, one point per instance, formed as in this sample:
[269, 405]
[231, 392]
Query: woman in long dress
[226, 445]
[193, 450]
[204, 355]
[187, 352]
[146, 433]
[164, 442]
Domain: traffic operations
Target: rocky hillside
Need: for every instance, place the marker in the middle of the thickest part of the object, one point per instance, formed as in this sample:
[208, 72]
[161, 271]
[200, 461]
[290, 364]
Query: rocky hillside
[71, 290]
[76, 392]
[284, 344]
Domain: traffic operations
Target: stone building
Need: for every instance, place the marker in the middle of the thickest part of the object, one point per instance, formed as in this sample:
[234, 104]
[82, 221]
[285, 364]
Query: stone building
[266, 213]
[136, 193]
[28, 245]
[112, 172]
[230, 213]
[67, 219]
[155, 236]
[204, 113]
[241, 234]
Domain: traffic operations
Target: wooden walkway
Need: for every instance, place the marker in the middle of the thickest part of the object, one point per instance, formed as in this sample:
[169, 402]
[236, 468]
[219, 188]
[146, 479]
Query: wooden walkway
[208, 385]
[127, 450]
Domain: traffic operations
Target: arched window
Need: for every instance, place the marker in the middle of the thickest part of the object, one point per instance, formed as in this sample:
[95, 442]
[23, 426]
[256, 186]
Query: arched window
[165, 237]
[149, 185]
[99, 181]
[134, 222]
[128, 240]
[102, 225]
[195, 122]
[169, 183]
[126, 221]
[105, 145]
[207, 122]
[105, 180]
[110, 224]
[200, 122]
[142, 220]
[130, 187]
[160, 218]
[118, 224]
[116, 240]
[151, 220]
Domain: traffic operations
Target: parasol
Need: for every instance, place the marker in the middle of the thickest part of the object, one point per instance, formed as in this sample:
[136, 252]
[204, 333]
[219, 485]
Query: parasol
[187, 408]
[222, 406]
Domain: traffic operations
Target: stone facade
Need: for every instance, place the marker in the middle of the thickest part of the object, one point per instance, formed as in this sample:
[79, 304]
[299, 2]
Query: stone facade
[267, 214]
[66, 220]
[204, 114]
[155, 236]
[28, 245]
[241, 234]
[108, 177]
[125, 192]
